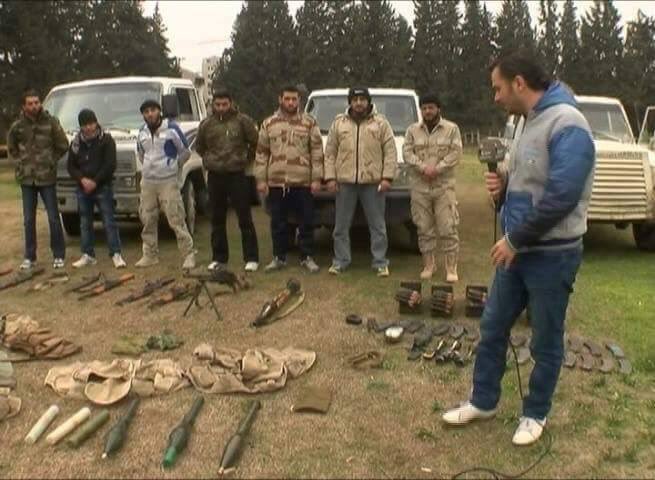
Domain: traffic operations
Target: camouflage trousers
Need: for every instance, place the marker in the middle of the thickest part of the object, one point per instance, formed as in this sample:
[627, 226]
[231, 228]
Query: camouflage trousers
[435, 214]
[165, 196]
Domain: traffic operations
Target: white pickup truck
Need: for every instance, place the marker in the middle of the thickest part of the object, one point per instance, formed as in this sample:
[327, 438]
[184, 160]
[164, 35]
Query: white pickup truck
[623, 184]
[116, 102]
[401, 108]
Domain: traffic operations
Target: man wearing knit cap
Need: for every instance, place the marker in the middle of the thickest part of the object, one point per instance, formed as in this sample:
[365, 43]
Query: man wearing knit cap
[92, 162]
[360, 164]
[433, 147]
[162, 148]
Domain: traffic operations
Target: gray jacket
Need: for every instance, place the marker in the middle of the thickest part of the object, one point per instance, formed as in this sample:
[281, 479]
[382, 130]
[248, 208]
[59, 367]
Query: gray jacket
[549, 177]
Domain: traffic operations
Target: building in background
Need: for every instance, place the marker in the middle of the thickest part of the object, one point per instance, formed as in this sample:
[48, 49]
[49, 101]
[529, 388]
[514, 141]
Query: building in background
[198, 82]
[209, 66]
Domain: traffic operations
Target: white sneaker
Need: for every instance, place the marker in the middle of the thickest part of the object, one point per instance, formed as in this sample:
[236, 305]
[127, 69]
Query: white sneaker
[27, 264]
[84, 261]
[189, 262]
[216, 266]
[146, 262]
[310, 265]
[118, 261]
[466, 413]
[528, 431]
[251, 267]
[276, 264]
[58, 263]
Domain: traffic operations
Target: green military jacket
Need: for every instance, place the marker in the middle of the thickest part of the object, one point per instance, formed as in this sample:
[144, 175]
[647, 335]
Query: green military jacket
[227, 142]
[35, 147]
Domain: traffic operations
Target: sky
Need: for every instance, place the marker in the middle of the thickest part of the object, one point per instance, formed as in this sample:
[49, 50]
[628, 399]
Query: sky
[199, 29]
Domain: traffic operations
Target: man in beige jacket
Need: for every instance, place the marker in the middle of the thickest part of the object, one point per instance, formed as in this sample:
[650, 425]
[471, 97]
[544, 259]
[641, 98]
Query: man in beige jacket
[433, 147]
[360, 164]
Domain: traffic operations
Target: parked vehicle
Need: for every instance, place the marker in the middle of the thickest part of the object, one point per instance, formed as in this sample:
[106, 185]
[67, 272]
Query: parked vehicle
[116, 103]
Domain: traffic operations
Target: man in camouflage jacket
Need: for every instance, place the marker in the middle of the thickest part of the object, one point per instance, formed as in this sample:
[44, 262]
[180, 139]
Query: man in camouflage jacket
[226, 142]
[35, 143]
[289, 170]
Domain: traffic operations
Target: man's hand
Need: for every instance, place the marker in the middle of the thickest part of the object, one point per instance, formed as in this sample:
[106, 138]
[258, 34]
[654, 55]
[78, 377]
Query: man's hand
[494, 184]
[502, 254]
[88, 185]
[384, 186]
[332, 186]
[315, 187]
[262, 188]
[430, 171]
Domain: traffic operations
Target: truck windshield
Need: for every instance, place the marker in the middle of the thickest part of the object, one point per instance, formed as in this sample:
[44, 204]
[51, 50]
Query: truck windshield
[399, 110]
[607, 121]
[116, 105]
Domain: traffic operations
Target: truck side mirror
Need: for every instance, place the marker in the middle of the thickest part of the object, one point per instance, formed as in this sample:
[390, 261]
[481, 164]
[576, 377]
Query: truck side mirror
[169, 106]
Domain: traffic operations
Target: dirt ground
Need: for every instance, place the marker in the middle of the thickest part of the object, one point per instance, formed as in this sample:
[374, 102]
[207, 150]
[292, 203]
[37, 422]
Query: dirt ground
[382, 423]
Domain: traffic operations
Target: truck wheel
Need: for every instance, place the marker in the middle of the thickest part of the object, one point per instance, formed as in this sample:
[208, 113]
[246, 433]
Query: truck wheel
[71, 222]
[189, 200]
[644, 234]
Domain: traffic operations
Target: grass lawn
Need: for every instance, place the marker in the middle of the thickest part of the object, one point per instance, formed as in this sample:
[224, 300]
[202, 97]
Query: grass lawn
[382, 423]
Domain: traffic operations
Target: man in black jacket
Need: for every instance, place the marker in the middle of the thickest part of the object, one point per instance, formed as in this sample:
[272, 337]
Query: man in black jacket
[92, 162]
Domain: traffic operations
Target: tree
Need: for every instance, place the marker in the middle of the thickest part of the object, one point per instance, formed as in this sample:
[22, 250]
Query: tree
[262, 58]
[638, 67]
[549, 38]
[424, 54]
[514, 27]
[437, 47]
[601, 49]
[315, 43]
[474, 106]
[570, 68]
[79, 40]
[399, 75]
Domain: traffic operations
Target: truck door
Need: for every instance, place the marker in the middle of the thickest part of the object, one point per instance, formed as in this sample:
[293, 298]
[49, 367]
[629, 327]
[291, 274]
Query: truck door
[647, 134]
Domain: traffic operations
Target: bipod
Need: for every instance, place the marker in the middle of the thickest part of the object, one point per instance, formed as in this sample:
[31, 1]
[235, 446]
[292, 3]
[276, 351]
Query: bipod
[201, 285]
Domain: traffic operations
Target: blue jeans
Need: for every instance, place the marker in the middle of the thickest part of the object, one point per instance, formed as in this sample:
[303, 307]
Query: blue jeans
[542, 281]
[373, 204]
[48, 195]
[300, 201]
[103, 196]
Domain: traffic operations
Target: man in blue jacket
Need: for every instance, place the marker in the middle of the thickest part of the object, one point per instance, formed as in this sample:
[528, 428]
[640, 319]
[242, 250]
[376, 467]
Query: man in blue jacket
[545, 191]
[162, 150]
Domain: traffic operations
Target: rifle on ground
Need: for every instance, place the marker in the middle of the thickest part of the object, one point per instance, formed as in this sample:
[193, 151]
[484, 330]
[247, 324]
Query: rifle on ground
[176, 292]
[84, 283]
[148, 289]
[53, 279]
[107, 285]
[223, 277]
[21, 276]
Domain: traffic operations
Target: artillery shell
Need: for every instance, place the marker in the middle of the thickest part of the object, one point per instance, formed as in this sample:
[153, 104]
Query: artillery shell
[68, 426]
[88, 429]
[42, 424]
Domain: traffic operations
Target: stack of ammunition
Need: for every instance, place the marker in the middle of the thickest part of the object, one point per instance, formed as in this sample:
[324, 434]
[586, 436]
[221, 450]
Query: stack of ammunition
[476, 298]
[409, 297]
[442, 301]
